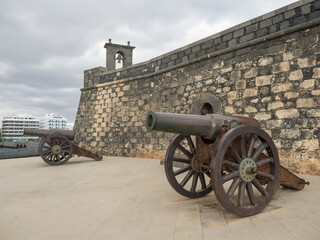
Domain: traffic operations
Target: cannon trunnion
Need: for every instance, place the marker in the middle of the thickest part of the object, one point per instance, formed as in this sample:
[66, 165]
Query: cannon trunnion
[56, 147]
[230, 155]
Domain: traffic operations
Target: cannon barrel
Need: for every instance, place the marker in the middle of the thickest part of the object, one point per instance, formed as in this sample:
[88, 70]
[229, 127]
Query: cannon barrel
[45, 132]
[207, 126]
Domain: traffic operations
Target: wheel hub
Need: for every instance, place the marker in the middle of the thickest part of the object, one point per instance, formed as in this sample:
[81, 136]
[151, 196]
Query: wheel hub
[196, 166]
[56, 149]
[248, 169]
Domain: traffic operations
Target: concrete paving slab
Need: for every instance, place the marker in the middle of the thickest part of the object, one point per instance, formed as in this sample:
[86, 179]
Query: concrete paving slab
[130, 198]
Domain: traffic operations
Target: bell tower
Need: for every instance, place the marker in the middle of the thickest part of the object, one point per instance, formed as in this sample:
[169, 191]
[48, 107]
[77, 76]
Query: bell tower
[118, 54]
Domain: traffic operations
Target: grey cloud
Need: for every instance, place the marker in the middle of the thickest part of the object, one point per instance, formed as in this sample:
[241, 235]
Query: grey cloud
[46, 45]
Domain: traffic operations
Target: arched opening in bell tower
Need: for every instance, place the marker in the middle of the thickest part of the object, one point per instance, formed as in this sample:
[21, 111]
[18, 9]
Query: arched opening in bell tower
[119, 58]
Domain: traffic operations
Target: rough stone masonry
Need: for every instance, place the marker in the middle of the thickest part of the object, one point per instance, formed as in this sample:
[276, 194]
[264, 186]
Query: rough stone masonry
[267, 68]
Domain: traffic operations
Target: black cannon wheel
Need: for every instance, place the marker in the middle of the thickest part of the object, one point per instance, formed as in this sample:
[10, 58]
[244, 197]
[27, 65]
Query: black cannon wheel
[55, 149]
[247, 150]
[183, 176]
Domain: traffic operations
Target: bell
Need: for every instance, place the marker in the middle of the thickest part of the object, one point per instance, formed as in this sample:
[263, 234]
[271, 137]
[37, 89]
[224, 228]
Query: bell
[119, 57]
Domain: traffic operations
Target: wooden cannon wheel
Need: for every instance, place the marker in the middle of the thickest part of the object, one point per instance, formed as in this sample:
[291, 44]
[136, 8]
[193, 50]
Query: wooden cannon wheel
[245, 150]
[182, 173]
[55, 149]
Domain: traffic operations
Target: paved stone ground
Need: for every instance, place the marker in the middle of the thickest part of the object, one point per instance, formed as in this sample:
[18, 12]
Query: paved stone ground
[126, 198]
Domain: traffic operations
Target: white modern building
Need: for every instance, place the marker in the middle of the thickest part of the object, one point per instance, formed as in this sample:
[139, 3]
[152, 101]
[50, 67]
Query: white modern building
[13, 127]
[53, 121]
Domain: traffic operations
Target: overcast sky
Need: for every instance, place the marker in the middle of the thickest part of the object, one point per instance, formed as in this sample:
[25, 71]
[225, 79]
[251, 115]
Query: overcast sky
[47, 44]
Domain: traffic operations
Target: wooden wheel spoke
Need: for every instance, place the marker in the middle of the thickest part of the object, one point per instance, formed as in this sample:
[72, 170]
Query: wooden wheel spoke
[234, 185]
[235, 154]
[230, 176]
[65, 147]
[49, 157]
[203, 181]
[241, 192]
[63, 142]
[187, 178]
[50, 143]
[264, 161]
[233, 165]
[181, 160]
[63, 152]
[185, 151]
[261, 189]
[47, 151]
[243, 147]
[266, 175]
[257, 153]
[46, 147]
[191, 145]
[182, 170]
[251, 144]
[251, 196]
[194, 182]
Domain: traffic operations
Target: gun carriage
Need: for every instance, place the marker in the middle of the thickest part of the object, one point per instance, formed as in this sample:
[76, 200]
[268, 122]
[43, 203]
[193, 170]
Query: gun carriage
[56, 146]
[230, 155]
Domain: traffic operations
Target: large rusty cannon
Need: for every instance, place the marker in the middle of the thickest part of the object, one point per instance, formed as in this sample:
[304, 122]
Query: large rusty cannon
[56, 147]
[225, 153]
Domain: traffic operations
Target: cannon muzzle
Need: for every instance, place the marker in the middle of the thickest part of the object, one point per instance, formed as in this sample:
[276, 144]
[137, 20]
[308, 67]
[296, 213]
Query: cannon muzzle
[207, 126]
[44, 132]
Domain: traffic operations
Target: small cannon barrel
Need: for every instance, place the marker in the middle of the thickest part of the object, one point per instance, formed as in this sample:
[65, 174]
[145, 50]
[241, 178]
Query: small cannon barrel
[44, 132]
[207, 126]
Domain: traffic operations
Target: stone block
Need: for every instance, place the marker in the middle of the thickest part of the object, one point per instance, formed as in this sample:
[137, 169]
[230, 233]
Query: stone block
[310, 144]
[306, 103]
[277, 49]
[250, 109]
[246, 37]
[262, 116]
[238, 33]
[235, 75]
[281, 87]
[241, 84]
[316, 73]
[263, 80]
[250, 92]
[281, 67]
[252, 72]
[277, 19]
[290, 133]
[296, 75]
[227, 37]
[287, 113]
[275, 105]
[307, 83]
[287, 56]
[229, 110]
[232, 95]
[272, 124]
[316, 92]
[244, 65]
[289, 14]
[265, 61]
[314, 113]
[218, 64]
[265, 23]
[226, 69]
[305, 9]
[291, 95]
[307, 62]
[252, 28]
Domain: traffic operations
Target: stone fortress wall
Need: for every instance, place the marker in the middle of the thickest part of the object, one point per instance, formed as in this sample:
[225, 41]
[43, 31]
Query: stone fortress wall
[267, 68]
